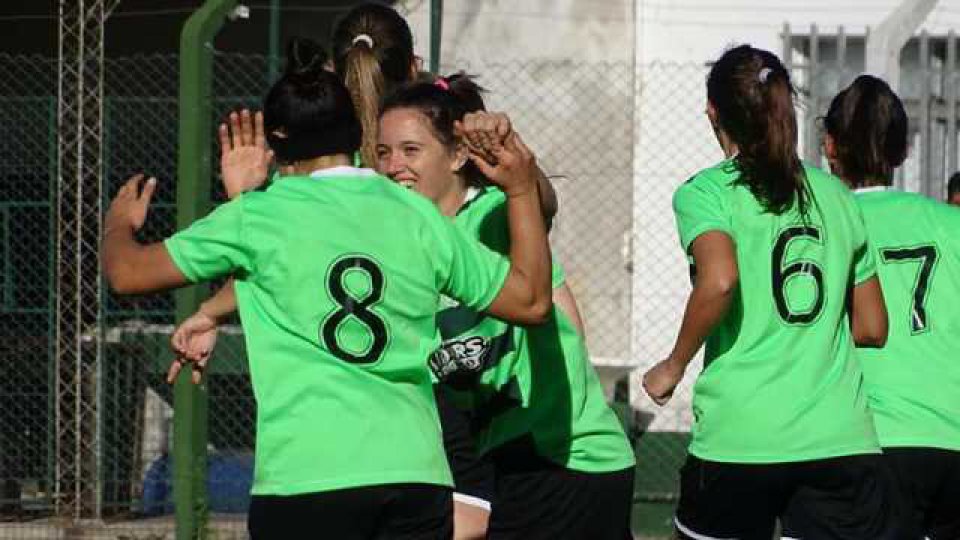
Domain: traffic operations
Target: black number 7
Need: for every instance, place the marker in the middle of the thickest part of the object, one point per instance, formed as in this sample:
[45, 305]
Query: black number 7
[927, 256]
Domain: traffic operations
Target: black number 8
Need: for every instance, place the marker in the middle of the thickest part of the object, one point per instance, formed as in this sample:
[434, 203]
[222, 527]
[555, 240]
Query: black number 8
[781, 274]
[358, 308]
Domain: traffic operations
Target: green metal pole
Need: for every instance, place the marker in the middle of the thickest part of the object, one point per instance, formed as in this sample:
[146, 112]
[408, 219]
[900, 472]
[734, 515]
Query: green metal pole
[273, 58]
[193, 200]
[436, 28]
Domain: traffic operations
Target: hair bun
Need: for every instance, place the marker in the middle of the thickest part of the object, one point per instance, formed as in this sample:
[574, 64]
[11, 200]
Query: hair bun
[305, 60]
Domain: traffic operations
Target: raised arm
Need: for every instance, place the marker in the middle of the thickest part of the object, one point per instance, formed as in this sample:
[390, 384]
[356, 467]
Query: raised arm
[717, 279]
[244, 156]
[132, 267]
[526, 294]
[484, 132]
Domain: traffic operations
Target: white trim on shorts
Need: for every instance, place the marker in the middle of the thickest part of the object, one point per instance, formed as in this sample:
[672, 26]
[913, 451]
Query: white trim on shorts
[471, 500]
[696, 536]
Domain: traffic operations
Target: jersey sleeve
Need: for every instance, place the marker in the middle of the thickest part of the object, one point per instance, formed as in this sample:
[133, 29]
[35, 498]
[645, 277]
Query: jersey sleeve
[699, 207]
[467, 270]
[864, 261]
[212, 246]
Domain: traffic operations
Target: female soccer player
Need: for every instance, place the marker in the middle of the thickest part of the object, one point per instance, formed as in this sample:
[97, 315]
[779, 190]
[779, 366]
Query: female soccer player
[339, 310]
[913, 383]
[777, 249]
[563, 467]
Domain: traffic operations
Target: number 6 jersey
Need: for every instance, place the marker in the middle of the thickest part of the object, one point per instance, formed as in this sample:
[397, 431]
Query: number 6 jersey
[914, 382]
[338, 278]
[780, 382]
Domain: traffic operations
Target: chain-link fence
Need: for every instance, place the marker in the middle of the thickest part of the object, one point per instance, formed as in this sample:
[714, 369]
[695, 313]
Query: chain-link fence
[619, 156]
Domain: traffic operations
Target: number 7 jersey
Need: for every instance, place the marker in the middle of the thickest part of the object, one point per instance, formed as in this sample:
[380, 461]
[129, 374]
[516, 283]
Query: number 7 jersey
[780, 382]
[914, 382]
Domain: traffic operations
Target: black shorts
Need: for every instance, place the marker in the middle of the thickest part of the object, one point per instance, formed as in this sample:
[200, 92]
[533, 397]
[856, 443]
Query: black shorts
[472, 473]
[849, 497]
[928, 480]
[391, 511]
[536, 499]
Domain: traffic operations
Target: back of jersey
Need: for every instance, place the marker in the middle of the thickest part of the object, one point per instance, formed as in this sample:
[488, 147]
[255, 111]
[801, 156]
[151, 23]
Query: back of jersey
[338, 282]
[914, 382]
[779, 382]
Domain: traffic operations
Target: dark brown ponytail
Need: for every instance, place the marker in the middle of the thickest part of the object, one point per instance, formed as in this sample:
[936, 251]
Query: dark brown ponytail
[753, 96]
[868, 125]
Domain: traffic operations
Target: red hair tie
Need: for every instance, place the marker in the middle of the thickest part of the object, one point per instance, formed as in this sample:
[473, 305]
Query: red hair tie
[442, 83]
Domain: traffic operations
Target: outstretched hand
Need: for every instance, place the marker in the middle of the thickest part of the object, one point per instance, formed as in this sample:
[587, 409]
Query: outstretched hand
[193, 342]
[510, 165]
[129, 207]
[244, 156]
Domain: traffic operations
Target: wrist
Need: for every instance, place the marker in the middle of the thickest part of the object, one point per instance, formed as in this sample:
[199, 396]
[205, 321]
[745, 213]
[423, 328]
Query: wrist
[524, 189]
[207, 310]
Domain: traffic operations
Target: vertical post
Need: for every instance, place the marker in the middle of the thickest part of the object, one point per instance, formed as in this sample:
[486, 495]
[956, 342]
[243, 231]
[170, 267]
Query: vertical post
[926, 139]
[273, 57]
[193, 198]
[787, 54]
[436, 30]
[813, 146]
[841, 59]
[950, 81]
[889, 37]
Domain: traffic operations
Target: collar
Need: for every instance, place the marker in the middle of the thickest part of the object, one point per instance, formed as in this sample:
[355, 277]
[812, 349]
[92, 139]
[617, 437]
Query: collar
[873, 189]
[343, 170]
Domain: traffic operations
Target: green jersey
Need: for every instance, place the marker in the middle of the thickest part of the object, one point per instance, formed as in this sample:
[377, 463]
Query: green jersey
[338, 281]
[526, 381]
[913, 383]
[780, 381]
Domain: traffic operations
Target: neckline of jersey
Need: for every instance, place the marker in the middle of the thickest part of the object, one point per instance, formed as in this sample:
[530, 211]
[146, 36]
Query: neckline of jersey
[343, 170]
[872, 189]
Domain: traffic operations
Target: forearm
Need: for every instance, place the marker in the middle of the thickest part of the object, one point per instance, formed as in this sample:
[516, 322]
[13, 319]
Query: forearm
[221, 304]
[119, 250]
[529, 248]
[548, 196]
[706, 307]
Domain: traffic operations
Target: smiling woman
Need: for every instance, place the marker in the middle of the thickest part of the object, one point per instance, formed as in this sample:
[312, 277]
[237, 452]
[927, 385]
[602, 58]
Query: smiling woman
[303, 312]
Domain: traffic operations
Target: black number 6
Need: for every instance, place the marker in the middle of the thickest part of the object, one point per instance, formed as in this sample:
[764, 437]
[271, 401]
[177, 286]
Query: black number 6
[781, 274]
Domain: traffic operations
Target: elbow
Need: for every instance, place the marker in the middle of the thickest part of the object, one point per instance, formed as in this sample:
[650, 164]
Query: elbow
[872, 338]
[536, 311]
[119, 278]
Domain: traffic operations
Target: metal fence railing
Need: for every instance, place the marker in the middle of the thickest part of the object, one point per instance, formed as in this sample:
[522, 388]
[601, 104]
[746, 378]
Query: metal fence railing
[620, 147]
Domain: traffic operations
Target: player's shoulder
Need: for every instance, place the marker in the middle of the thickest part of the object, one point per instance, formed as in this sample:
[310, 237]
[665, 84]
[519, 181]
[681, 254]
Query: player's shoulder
[482, 200]
[714, 183]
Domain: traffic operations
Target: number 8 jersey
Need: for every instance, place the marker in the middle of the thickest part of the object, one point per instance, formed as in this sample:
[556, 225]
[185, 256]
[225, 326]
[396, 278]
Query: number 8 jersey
[780, 382]
[338, 279]
[914, 382]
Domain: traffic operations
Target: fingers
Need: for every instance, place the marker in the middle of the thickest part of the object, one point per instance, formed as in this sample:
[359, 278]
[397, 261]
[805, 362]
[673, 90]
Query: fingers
[148, 190]
[236, 138]
[503, 127]
[486, 167]
[197, 369]
[246, 128]
[131, 186]
[259, 139]
[174, 370]
[223, 133]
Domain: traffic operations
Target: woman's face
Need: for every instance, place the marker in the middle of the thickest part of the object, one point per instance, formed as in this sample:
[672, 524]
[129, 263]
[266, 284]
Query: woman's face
[410, 154]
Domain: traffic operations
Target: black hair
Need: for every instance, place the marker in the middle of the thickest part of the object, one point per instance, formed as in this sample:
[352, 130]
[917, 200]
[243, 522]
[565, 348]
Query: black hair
[953, 185]
[443, 102]
[308, 112]
[373, 53]
[868, 125]
[752, 94]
